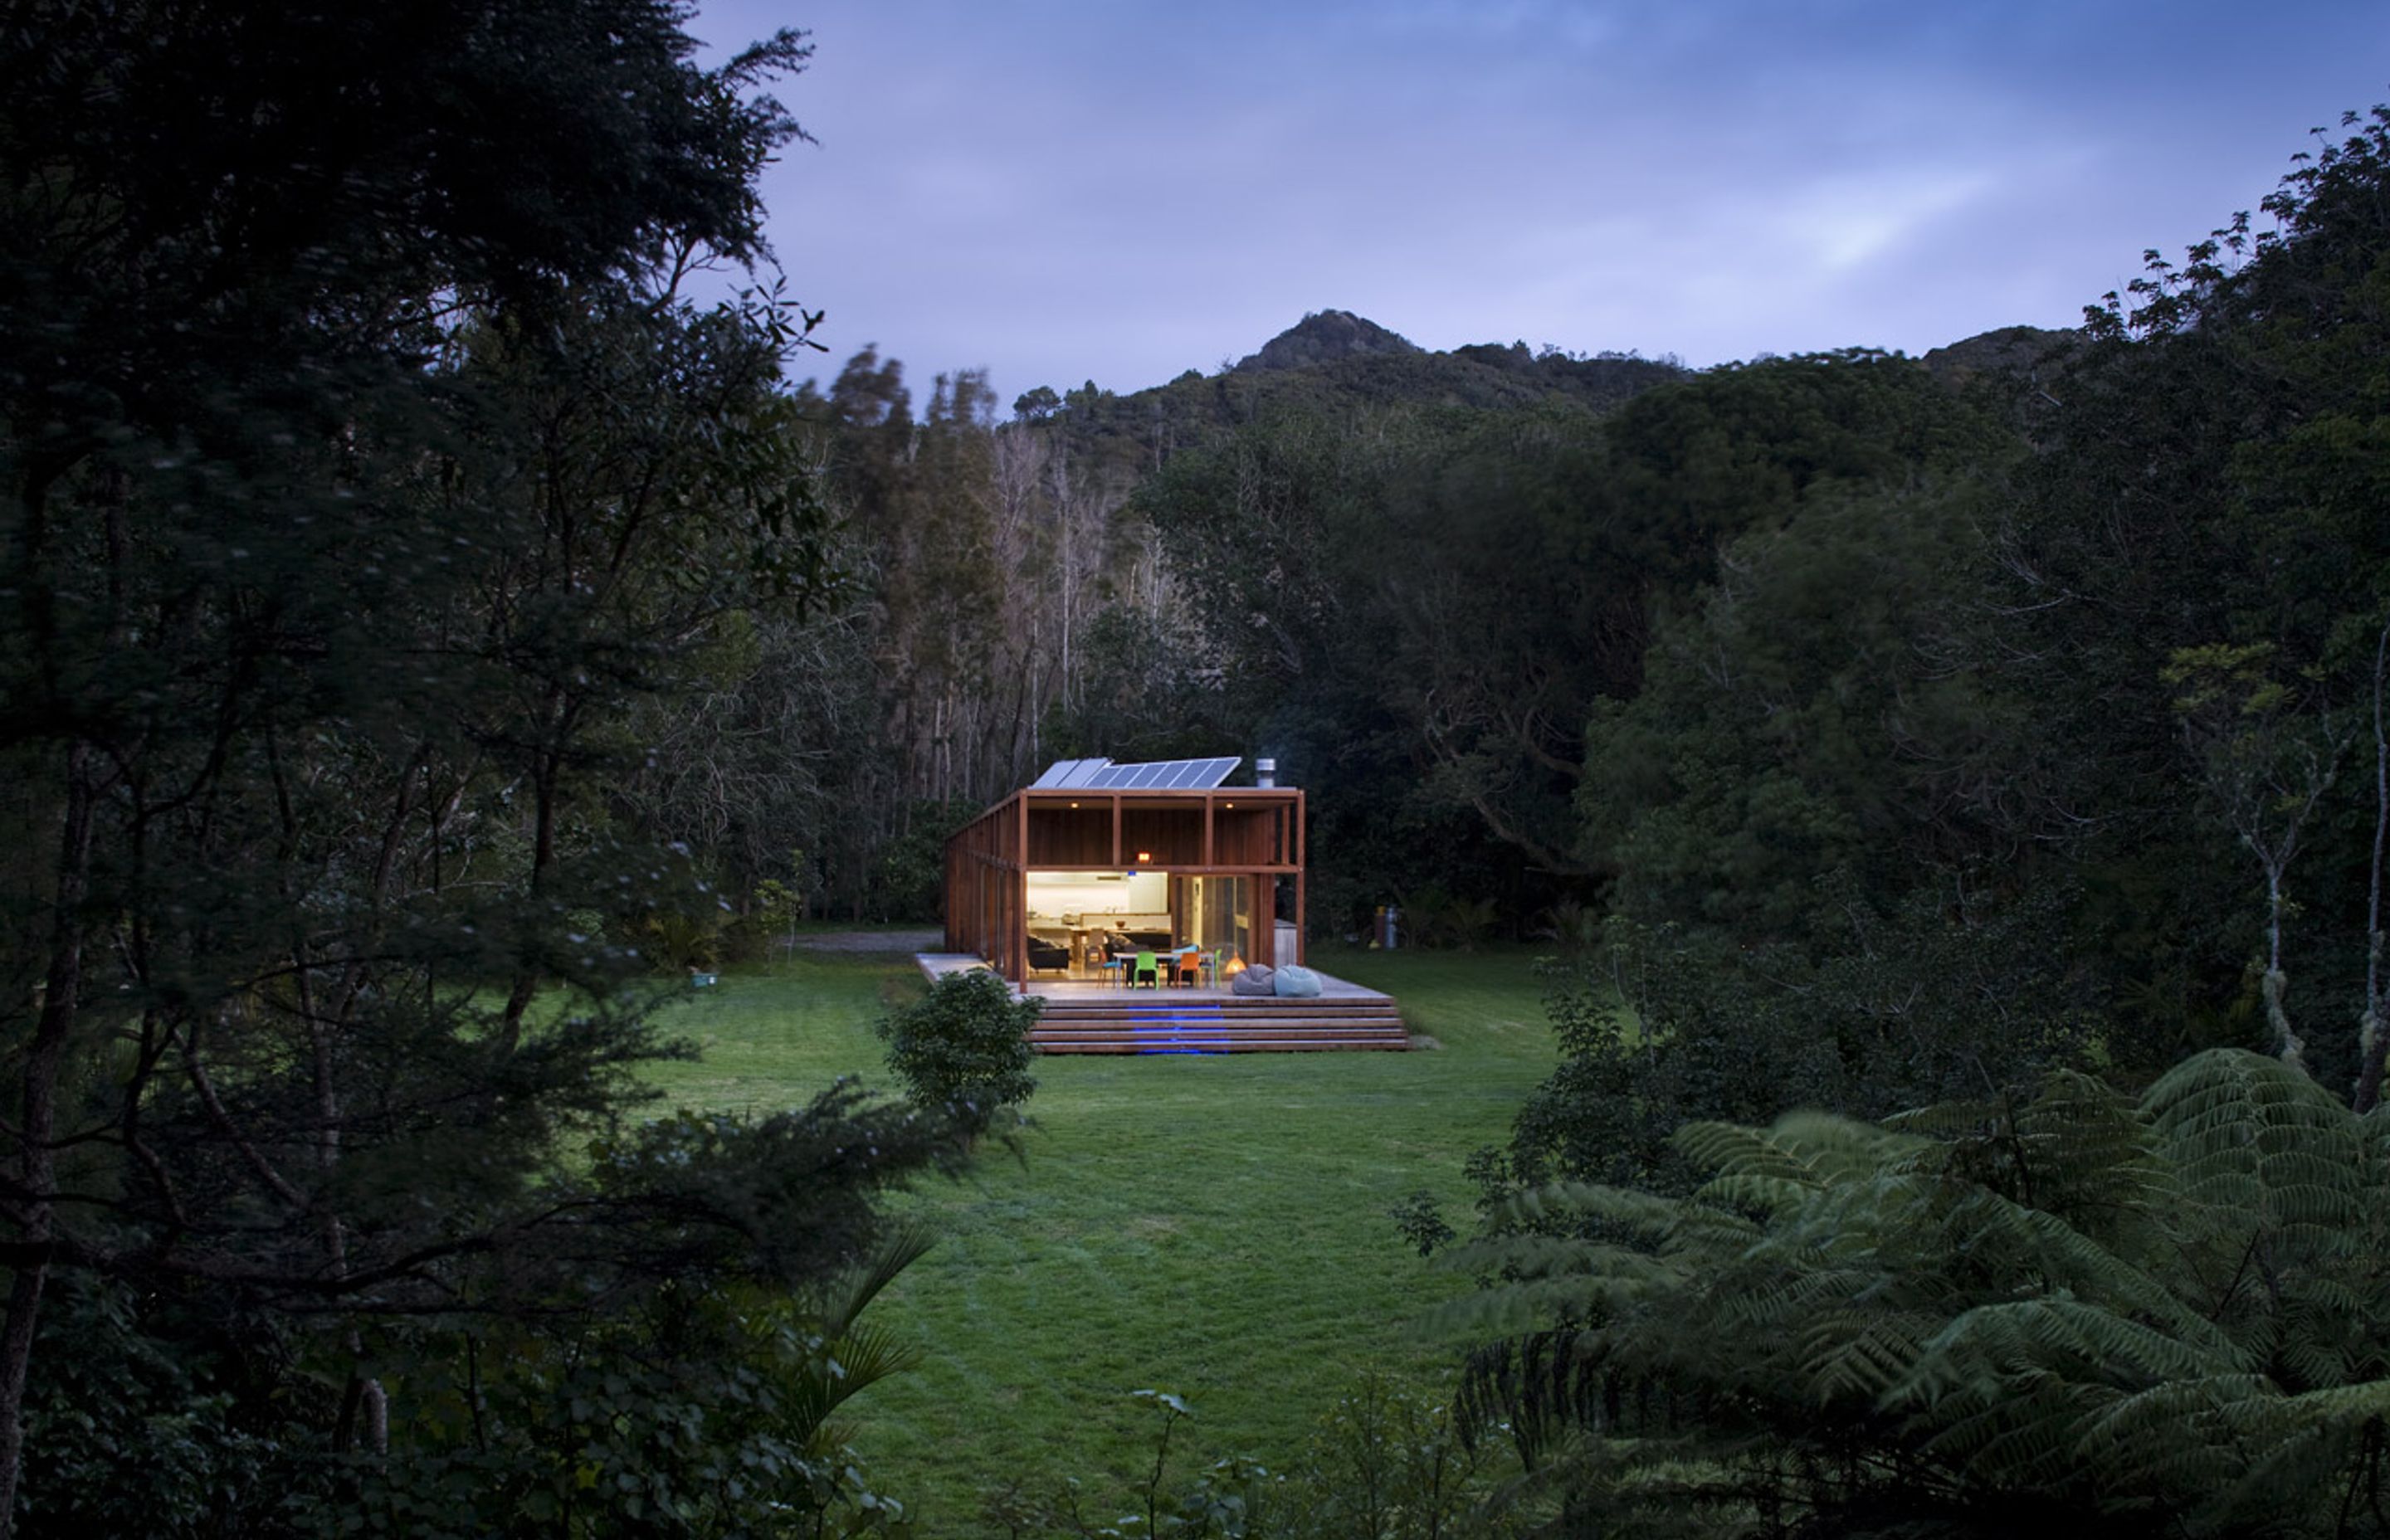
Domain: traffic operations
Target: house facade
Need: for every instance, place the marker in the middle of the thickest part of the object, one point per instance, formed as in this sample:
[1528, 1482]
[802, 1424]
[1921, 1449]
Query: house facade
[1096, 860]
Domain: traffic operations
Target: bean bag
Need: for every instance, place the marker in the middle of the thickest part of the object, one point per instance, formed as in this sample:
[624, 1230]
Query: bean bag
[1252, 981]
[1296, 984]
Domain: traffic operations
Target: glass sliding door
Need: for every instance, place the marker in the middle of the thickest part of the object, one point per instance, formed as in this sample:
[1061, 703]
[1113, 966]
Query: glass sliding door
[1216, 913]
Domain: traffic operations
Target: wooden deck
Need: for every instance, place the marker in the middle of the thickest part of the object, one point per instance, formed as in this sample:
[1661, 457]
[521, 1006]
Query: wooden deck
[1092, 1018]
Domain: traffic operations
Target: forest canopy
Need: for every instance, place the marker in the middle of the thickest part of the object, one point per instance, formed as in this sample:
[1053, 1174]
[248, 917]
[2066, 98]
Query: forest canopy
[368, 472]
[426, 626]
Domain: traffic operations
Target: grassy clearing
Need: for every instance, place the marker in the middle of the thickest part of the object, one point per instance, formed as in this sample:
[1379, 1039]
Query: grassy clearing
[1214, 1226]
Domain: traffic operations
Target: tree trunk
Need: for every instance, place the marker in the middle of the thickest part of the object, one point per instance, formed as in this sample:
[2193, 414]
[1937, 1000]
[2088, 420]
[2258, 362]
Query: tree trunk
[2293, 1050]
[2372, 1042]
[36, 1164]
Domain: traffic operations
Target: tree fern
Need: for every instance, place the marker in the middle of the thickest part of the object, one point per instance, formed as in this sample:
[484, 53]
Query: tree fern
[2081, 1307]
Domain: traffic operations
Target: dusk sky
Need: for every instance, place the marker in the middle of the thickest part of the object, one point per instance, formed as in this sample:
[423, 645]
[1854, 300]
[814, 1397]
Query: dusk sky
[1064, 190]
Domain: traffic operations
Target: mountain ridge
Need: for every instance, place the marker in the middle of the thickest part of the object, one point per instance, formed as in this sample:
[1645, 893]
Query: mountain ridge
[1324, 337]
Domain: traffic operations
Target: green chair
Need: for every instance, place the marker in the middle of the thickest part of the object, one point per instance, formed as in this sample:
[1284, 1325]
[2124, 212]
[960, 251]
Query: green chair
[1144, 972]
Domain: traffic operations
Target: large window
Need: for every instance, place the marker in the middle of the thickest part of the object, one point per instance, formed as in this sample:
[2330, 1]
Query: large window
[1088, 913]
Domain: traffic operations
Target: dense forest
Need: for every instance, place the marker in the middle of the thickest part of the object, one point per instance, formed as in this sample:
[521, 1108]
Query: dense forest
[427, 625]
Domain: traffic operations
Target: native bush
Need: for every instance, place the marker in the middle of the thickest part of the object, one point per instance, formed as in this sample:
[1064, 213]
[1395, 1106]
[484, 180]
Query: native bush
[1435, 917]
[1939, 996]
[909, 883]
[1228, 1501]
[1387, 1462]
[1384, 1462]
[2165, 1315]
[681, 941]
[963, 1048]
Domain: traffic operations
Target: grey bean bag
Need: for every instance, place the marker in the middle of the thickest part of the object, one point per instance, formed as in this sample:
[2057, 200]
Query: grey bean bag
[1296, 984]
[1252, 981]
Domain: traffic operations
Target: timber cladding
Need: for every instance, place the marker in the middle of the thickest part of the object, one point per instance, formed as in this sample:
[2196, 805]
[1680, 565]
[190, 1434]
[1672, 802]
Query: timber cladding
[1220, 831]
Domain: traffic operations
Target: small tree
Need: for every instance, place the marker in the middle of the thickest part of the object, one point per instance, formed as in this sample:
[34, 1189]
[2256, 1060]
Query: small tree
[963, 1048]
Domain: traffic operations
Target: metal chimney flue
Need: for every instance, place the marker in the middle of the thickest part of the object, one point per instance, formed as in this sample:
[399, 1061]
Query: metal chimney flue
[1265, 771]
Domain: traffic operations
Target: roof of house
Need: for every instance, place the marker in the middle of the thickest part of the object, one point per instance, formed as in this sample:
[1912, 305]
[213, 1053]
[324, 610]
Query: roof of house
[1103, 775]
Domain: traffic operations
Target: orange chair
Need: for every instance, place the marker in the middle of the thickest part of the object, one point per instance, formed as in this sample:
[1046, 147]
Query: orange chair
[1189, 969]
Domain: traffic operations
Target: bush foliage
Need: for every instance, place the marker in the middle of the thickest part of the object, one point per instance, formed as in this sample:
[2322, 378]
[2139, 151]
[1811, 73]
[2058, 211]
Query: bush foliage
[963, 1049]
[2166, 1314]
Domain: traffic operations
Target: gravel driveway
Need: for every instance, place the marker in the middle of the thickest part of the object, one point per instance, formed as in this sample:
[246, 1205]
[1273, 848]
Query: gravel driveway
[906, 941]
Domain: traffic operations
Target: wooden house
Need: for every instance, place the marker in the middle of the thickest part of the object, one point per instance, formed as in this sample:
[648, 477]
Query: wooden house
[1066, 886]
[1097, 861]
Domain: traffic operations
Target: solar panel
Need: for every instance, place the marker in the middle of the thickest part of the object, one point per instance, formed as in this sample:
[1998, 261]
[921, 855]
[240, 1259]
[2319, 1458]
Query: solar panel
[1070, 772]
[1167, 775]
[1171, 774]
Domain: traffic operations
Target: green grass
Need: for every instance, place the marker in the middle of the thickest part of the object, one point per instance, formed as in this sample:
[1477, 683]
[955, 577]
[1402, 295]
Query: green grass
[1216, 1227]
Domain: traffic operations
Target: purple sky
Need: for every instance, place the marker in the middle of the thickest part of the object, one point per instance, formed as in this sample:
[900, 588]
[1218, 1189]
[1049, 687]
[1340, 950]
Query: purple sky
[1060, 190]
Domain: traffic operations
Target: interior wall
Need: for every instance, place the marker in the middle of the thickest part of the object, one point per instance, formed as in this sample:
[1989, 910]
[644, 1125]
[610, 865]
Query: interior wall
[1055, 894]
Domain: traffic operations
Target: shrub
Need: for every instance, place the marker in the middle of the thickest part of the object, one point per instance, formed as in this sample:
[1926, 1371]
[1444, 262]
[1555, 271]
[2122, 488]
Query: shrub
[1387, 1463]
[1434, 917]
[963, 1049]
[1570, 924]
[1384, 1463]
[678, 943]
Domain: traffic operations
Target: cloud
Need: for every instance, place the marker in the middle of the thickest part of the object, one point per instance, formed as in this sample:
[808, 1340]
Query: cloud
[1848, 219]
[1061, 189]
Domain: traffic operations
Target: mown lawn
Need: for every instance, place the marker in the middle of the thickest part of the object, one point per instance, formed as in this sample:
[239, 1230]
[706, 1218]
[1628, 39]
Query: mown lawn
[1214, 1226]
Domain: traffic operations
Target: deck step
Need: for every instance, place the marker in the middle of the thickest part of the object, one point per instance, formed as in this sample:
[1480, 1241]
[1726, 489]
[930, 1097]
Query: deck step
[1230, 1045]
[1094, 1020]
[1311, 1010]
[1188, 1026]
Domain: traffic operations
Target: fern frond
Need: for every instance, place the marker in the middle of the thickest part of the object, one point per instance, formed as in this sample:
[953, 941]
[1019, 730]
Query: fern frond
[2305, 1460]
[1949, 1121]
[2045, 1246]
[1776, 1296]
[1731, 1149]
[2314, 1353]
[1521, 1309]
[2024, 1437]
[1638, 1212]
[2173, 1312]
[2083, 1341]
[2340, 1405]
[1830, 1145]
[1857, 1355]
[1757, 1192]
[2239, 1127]
[2176, 1435]
[1530, 1256]
[1709, 1230]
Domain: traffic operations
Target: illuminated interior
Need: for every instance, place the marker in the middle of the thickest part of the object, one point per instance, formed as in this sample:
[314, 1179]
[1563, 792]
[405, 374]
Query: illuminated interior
[1094, 916]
